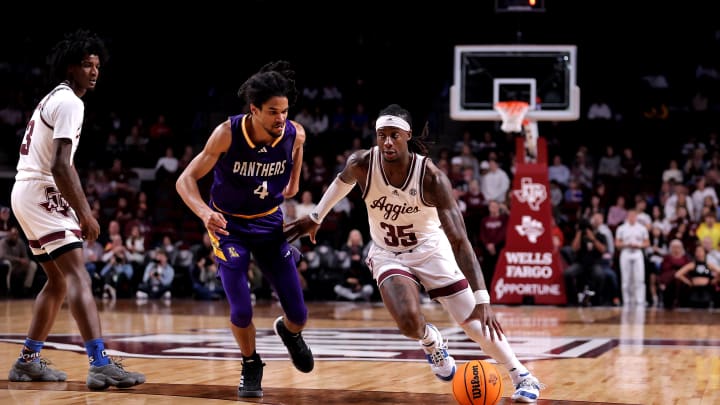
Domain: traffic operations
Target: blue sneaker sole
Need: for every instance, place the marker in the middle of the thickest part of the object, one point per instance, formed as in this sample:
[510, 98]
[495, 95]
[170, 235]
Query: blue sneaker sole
[448, 378]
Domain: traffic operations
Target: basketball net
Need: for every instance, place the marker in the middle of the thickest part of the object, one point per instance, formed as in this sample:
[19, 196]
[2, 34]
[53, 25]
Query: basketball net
[513, 118]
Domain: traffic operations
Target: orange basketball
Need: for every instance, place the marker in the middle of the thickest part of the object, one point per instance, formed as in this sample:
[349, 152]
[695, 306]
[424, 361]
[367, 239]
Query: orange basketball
[477, 382]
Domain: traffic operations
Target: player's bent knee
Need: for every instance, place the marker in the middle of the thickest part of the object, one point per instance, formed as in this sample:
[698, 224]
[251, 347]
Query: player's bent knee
[410, 324]
[297, 315]
[241, 319]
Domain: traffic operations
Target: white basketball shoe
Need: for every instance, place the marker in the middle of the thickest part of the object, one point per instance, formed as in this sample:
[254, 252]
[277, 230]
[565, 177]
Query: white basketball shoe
[527, 390]
[442, 364]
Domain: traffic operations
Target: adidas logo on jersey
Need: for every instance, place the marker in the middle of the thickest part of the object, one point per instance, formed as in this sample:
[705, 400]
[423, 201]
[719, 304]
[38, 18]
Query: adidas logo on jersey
[262, 150]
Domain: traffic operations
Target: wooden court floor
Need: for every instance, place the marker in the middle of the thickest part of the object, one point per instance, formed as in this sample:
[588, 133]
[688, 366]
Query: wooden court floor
[583, 355]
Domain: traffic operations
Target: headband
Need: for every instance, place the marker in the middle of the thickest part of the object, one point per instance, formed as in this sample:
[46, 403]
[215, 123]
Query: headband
[392, 121]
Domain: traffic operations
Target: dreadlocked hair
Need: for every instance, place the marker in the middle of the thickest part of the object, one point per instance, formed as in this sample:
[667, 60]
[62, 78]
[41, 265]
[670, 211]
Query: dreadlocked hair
[72, 49]
[275, 79]
[416, 143]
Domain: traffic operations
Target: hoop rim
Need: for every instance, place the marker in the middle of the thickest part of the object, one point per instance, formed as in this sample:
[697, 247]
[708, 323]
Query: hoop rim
[512, 114]
[501, 105]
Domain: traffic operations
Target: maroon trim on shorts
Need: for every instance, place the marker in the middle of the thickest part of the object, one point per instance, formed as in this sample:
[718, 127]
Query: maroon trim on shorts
[397, 272]
[37, 244]
[65, 248]
[448, 290]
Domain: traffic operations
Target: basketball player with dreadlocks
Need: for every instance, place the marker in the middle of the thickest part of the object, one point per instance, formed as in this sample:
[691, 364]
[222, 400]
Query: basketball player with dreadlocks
[257, 160]
[419, 239]
[49, 203]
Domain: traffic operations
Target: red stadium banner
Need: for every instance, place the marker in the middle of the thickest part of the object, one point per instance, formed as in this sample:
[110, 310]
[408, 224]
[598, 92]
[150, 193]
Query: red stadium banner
[529, 270]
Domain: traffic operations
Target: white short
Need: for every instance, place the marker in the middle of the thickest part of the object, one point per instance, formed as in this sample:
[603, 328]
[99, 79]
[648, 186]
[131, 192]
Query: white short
[45, 216]
[431, 264]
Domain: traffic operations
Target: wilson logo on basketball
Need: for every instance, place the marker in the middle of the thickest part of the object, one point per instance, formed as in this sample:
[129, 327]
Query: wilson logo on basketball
[475, 382]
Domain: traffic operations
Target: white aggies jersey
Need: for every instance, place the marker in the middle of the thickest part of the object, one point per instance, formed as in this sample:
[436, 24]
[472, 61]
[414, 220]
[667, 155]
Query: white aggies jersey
[399, 218]
[58, 115]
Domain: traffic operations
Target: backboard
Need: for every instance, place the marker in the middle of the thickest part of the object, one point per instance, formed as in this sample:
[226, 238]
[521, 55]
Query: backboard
[542, 75]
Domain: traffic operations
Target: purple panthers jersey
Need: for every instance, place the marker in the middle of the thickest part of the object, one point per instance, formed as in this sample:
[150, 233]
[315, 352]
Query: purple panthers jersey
[249, 179]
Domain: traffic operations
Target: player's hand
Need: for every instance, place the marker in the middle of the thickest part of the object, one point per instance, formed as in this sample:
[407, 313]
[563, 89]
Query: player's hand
[484, 314]
[215, 223]
[301, 227]
[89, 228]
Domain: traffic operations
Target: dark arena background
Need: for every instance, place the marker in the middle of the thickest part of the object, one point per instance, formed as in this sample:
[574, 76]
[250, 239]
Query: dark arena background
[647, 137]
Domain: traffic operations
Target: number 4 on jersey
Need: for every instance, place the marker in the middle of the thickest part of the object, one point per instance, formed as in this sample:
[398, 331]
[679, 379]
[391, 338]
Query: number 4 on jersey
[262, 190]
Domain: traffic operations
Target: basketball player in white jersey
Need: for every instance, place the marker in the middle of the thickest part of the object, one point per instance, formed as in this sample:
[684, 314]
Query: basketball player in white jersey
[631, 238]
[419, 239]
[50, 205]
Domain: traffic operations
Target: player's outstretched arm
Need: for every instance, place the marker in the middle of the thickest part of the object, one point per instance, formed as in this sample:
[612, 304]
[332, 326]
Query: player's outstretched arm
[339, 188]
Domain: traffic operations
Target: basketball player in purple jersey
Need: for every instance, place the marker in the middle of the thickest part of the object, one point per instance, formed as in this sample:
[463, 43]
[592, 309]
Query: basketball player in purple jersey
[256, 160]
[49, 203]
[419, 238]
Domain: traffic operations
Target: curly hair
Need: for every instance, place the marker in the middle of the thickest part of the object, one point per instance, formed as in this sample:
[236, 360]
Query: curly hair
[72, 49]
[275, 79]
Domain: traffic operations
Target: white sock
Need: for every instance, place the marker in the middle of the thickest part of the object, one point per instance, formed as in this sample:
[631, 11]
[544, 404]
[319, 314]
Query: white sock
[503, 354]
[429, 340]
[518, 374]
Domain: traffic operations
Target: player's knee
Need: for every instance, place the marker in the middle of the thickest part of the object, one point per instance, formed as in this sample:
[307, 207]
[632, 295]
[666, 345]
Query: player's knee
[56, 287]
[241, 318]
[411, 325]
[297, 315]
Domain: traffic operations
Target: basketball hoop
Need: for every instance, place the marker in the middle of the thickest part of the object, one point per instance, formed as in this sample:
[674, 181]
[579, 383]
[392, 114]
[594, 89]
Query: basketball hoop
[513, 121]
[512, 114]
